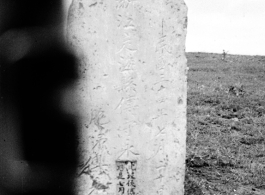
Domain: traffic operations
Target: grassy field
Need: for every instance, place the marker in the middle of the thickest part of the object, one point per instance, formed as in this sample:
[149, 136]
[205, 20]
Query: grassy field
[226, 121]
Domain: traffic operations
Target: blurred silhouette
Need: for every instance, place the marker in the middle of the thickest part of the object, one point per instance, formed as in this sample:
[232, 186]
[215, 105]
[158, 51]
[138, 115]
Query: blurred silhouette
[38, 129]
[224, 55]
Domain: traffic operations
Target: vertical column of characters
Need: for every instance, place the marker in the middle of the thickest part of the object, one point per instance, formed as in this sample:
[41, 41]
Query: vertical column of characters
[126, 55]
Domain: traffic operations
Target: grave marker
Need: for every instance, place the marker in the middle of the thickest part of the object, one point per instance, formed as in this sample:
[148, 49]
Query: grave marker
[132, 95]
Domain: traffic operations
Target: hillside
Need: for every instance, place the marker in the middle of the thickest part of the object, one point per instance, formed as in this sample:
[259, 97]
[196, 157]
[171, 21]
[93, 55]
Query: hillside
[226, 120]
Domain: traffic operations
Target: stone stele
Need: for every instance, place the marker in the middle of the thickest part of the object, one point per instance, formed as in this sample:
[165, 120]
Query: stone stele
[131, 95]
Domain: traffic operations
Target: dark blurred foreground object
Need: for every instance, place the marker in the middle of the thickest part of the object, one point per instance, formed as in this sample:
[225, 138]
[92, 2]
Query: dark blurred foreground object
[38, 131]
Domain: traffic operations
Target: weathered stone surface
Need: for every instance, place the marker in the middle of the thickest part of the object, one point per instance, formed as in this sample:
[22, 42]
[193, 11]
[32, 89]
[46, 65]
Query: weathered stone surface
[132, 95]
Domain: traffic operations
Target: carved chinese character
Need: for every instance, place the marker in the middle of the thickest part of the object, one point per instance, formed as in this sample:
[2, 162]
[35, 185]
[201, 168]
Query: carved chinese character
[131, 191]
[131, 183]
[121, 188]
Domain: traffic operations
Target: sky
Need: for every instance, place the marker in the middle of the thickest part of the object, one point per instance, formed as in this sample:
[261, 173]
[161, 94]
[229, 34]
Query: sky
[236, 26]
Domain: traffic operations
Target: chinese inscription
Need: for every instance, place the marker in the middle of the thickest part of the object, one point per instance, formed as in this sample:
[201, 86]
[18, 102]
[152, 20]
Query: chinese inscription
[126, 177]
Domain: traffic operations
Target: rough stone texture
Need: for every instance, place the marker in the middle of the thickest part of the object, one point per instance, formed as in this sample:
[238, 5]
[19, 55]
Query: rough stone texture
[132, 95]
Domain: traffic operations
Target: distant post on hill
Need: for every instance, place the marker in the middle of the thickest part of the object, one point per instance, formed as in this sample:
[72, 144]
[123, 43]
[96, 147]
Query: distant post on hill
[132, 95]
[224, 54]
